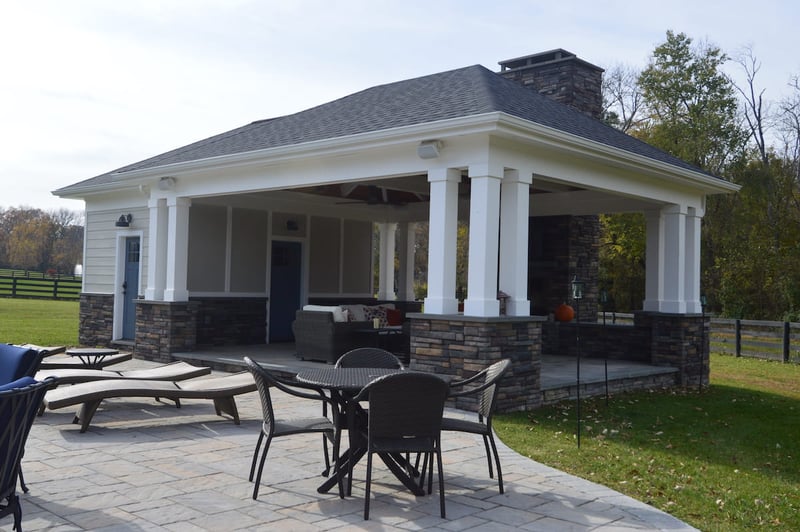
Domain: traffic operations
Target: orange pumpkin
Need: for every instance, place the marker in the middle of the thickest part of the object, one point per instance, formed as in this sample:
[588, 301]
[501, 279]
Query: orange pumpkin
[564, 312]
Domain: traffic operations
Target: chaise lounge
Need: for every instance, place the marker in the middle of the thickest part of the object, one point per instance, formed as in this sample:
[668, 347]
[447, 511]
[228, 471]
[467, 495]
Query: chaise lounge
[89, 395]
[176, 371]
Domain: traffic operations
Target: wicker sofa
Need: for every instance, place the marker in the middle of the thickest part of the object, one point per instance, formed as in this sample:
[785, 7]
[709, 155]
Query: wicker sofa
[324, 335]
[318, 337]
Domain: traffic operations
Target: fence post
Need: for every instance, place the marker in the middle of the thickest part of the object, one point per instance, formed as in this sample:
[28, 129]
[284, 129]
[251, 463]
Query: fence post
[738, 337]
[55, 288]
[786, 338]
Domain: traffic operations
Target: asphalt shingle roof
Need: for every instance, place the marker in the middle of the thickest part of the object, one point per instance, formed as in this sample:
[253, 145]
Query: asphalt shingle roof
[463, 92]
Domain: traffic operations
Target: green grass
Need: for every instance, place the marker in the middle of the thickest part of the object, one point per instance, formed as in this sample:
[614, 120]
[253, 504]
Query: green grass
[39, 322]
[724, 459]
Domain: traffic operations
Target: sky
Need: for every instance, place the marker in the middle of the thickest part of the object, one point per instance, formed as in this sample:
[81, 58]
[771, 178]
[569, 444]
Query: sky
[88, 86]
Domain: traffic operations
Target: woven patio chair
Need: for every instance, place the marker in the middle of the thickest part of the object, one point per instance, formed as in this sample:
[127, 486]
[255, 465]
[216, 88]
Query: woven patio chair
[272, 427]
[369, 357]
[486, 391]
[17, 361]
[405, 416]
[19, 402]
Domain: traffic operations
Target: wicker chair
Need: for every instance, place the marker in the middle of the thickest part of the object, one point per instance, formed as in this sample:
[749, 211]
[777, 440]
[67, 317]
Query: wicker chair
[273, 428]
[405, 415]
[369, 357]
[487, 401]
[17, 362]
[19, 402]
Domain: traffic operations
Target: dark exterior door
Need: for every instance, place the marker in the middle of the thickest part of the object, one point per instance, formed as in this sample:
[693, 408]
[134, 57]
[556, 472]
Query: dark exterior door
[284, 299]
[130, 287]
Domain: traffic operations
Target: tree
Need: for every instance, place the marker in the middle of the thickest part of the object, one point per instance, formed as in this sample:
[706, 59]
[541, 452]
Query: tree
[622, 98]
[33, 239]
[691, 107]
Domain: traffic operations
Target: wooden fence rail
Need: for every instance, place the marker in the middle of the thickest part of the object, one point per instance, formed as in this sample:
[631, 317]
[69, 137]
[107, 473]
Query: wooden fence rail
[771, 340]
[66, 287]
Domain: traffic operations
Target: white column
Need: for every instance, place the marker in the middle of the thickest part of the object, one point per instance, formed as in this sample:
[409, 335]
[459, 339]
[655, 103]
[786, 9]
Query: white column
[442, 233]
[514, 207]
[386, 261]
[674, 217]
[406, 233]
[157, 250]
[178, 246]
[654, 253]
[484, 227]
[692, 277]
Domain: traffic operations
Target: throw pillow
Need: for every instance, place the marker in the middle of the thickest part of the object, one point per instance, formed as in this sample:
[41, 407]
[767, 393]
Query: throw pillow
[394, 316]
[376, 312]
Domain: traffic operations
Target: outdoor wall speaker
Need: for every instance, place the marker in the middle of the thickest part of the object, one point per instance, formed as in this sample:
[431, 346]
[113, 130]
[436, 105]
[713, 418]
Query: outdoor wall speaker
[429, 149]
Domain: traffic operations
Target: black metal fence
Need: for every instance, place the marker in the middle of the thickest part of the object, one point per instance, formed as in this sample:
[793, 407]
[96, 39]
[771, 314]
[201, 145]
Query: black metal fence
[14, 283]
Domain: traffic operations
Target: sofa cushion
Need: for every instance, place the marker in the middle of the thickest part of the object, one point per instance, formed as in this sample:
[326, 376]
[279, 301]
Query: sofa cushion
[355, 312]
[338, 312]
[17, 362]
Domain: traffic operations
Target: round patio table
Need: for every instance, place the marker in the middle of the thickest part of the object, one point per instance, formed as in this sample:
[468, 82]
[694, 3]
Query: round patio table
[344, 384]
[91, 357]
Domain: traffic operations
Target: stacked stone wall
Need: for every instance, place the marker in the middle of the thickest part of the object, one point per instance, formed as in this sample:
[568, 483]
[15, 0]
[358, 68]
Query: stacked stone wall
[163, 328]
[231, 321]
[463, 346]
[96, 320]
[680, 341]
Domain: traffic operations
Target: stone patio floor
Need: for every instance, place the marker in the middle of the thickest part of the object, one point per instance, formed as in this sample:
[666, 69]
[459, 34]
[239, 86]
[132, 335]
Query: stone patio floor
[145, 465]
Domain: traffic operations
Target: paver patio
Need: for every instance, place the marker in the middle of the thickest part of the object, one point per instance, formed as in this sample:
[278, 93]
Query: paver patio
[149, 466]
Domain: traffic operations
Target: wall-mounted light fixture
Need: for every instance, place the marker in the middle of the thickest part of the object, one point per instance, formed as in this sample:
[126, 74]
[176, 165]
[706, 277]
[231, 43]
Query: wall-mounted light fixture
[124, 220]
[429, 149]
[166, 183]
[292, 225]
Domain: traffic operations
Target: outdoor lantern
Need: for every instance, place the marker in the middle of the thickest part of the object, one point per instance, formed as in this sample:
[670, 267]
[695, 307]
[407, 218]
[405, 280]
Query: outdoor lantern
[577, 288]
[124, 220]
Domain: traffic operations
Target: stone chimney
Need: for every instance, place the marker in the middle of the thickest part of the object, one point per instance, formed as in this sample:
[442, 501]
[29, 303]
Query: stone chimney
[560, 75]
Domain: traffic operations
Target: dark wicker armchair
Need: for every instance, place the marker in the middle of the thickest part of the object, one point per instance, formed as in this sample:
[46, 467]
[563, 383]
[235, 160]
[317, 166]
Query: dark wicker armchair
[369, 357]
[274, 428]
[405, 416]
[19, 402]
[484, 385]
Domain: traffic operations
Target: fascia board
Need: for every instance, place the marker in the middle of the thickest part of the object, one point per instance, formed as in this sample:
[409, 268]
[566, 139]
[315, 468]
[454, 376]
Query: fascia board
[532, 132]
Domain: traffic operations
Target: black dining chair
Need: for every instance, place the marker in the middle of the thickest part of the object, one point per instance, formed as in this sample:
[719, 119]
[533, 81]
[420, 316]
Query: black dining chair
[369, 357]
[19, 403]
[273, 427]
[405, 415]
[484, 385]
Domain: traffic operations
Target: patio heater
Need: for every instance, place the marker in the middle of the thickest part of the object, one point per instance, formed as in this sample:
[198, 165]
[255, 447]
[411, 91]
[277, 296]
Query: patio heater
[577, 295]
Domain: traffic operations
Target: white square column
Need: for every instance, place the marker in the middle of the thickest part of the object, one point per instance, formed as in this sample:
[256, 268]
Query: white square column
[484, 227]
[674, 258]
[654, 253]
[157, 250]
[386, 232]
[514, 213]
[442, 234]
[666, 260]
[178, 249]
[406, 236]
[694, 219]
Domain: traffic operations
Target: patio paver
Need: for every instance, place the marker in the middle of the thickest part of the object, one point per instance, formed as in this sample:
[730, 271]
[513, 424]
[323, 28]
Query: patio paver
[150, 466]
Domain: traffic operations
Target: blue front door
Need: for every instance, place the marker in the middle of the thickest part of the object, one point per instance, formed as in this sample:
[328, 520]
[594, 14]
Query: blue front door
[284, 298]
[130, 287]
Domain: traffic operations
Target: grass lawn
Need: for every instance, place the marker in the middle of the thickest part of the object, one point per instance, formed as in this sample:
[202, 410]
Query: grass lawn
[38, 321]
[724, 459]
